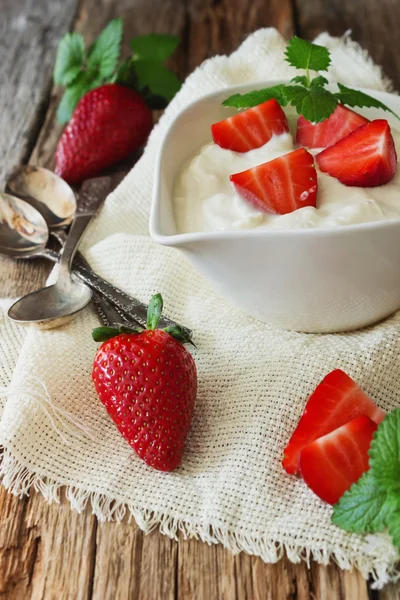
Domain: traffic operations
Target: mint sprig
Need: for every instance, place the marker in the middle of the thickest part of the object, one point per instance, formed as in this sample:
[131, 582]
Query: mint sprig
[305, 55]
[307, 94]
[144, 71]
[373, 503]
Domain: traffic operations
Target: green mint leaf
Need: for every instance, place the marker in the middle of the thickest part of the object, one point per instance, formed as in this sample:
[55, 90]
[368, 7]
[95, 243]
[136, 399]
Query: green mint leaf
[157, 78]
[365, 507]
[302, 80]
[258, 97]
[104, 52]
[356, 98]
[394, 529]
[305, 55]
[385, 453]
[320, 80]
[154, 311]
[69, 59]
[315, 104]
[154, 47]
[73, 94]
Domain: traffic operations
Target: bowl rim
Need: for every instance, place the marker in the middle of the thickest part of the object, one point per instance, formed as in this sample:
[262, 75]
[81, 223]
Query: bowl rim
[179, 239]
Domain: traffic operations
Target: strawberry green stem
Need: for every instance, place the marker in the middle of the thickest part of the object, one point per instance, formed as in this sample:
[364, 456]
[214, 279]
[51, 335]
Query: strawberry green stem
[182, 334]
[154, 311]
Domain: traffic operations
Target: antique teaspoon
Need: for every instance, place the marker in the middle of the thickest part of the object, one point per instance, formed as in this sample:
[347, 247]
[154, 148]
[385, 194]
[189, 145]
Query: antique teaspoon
[54, 305]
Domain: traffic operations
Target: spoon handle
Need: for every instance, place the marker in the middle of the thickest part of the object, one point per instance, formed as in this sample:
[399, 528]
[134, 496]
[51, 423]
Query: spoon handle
[76, 232]
[127, 306]
[113, 305]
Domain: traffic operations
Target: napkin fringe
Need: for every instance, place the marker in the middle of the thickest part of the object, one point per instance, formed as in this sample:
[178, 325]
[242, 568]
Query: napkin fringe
[381, 564]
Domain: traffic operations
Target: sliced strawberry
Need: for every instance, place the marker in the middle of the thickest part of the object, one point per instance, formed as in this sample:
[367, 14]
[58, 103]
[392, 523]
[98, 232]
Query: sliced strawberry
[281, 185]
[321, 135]
[331, 464]
[366, 157]
[251, 128]
[335, 401]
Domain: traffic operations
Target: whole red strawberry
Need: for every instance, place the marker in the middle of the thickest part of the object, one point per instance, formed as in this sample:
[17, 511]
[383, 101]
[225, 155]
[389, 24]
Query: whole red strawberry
[107, 125]
[148, 382]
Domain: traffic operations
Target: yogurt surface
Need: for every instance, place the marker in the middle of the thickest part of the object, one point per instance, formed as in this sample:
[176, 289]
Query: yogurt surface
[205, 200]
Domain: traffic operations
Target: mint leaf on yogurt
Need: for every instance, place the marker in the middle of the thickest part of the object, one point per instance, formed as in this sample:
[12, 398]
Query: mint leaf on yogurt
[307, 94]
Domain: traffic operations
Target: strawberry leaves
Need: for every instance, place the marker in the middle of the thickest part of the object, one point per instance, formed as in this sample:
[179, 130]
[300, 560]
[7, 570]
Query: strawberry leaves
[104, 52]
[144, 71]
[308, 95]
[157, 48]
[373, 503]
[154, 312]
[69, 59]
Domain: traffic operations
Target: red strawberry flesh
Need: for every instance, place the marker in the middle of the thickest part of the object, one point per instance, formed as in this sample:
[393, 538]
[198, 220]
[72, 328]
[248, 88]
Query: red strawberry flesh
[148, 383]
[321, 135]
[281, 185]
[251, 128]
[332, 463]
[108, 124]
[335, 401]
[365, 158]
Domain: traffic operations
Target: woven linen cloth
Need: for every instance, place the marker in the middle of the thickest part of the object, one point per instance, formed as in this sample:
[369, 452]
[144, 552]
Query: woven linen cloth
[253, 379]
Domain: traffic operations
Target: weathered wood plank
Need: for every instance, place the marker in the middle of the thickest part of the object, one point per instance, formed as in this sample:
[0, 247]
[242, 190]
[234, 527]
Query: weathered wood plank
[29, 35]
[374, 25]
[46, 551]
[218, 27]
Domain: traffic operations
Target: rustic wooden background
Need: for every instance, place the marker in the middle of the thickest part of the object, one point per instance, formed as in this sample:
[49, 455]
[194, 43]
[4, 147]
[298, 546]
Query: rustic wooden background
[48, 551]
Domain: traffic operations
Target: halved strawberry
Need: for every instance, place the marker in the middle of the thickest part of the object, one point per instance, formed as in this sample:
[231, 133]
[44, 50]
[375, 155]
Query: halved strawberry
[251, 128]
[281, 185]
[335, 401]
[321, 135]
[366, 157]
[331, 464]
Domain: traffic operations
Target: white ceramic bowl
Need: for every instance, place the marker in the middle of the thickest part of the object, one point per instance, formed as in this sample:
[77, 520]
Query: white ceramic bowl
[313, 280]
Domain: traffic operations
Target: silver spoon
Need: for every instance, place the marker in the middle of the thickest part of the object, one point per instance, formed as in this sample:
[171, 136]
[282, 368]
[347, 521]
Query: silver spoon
[24, 234]
[35, 185]
[48, 193]
[55, 200]
[23, 230]
[57, 304]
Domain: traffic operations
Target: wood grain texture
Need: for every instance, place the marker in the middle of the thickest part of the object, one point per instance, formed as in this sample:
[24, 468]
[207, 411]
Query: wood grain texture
[375, 25]
[47, 551]
[29, 34]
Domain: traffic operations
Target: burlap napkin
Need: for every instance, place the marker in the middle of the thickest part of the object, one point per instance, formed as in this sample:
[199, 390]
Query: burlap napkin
[253, 380]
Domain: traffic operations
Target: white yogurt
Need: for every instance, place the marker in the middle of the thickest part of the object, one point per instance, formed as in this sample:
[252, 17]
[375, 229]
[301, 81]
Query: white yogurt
[205, 200]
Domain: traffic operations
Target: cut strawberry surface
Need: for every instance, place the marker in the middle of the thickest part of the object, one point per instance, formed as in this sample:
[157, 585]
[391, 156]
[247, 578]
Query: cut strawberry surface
[281, 185]
[365, 158]
[331, 464]
[336, 401]
[251, 128]
[322, 135]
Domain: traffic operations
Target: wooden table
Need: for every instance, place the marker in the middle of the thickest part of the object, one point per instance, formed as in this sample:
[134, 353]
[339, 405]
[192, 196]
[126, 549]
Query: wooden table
[48, 551]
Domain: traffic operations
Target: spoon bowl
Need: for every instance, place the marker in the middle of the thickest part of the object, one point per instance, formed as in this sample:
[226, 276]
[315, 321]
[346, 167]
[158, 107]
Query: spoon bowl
[52, 306]
[23, 230]
[47, 192]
